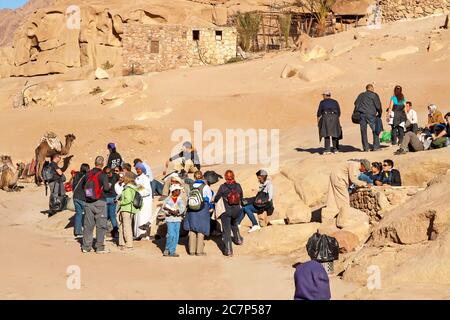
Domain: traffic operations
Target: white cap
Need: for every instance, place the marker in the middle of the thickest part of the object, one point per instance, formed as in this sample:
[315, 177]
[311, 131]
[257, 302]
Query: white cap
[327, 93]
[175, 186]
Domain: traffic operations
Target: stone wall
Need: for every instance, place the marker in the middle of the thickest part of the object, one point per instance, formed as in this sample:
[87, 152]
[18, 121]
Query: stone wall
[410, 9]
[377, 200]
[149, 48]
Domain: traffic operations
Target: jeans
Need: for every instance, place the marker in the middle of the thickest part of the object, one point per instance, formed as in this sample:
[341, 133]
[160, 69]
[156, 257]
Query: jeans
[173, 234]
[157, 187]
[230, 225]
[366, 178]
[328, 143]
[79, 211]
[371, 121]
[111, 209]
[248, 210]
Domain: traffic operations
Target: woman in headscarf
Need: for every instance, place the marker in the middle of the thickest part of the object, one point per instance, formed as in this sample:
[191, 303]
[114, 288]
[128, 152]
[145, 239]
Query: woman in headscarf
[143, 218]
[434, 117]
[232, 195]
[311, 282]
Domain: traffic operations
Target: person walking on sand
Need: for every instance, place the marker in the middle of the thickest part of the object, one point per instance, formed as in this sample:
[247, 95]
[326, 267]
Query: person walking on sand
[114, 158]
[231, 194]
[79, 198]
[95, 210]
[174, 208]
[198, 216]
[368, 105]
[397, 115]
[127, 211]
[340, 180]
[330, 129]
[144, 217]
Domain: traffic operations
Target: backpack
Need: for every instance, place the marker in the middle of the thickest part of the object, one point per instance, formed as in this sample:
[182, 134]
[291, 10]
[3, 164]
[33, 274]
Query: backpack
[92, 188]
[261, 199]
[48, 173]
[138, 200]
[195, 199]
[233, 197]
[322, 248]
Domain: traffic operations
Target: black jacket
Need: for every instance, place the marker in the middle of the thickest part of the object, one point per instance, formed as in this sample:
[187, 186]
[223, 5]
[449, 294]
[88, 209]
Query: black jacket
[114, 160]
[103, 181]
[329, 113]
[78, 186]
[369, 103]
[111, 193]
[391, 178]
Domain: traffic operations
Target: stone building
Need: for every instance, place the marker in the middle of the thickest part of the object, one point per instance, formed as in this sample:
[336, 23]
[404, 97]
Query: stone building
[158, 47]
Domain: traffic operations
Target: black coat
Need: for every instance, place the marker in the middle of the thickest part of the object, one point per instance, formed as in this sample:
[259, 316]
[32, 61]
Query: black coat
[329, 113]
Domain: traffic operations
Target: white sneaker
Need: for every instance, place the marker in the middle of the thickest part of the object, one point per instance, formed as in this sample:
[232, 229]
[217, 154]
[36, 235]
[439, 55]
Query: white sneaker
[254, 228]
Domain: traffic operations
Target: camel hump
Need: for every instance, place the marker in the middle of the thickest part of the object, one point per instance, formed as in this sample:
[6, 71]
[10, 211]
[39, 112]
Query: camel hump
[52, 140]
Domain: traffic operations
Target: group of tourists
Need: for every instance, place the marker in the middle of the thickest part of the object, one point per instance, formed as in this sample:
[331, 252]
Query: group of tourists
[401, 117]
[123, 194]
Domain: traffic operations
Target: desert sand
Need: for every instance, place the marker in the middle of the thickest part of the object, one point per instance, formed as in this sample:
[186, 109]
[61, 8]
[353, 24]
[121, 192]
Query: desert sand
[252, 94]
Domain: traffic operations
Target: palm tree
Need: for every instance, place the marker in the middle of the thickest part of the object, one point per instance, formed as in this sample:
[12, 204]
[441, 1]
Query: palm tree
[319, 9]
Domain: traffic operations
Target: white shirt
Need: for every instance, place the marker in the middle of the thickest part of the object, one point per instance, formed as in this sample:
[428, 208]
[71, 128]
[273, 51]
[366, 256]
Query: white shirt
[412, 116]
[267, 186]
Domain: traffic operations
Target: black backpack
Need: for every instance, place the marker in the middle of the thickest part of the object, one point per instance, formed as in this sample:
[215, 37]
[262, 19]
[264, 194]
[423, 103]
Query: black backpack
[322, 248]
[48, 173]
[261, 200]
[138, 200]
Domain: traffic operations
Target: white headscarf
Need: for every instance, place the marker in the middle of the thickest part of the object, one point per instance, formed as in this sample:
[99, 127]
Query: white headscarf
[432, 109]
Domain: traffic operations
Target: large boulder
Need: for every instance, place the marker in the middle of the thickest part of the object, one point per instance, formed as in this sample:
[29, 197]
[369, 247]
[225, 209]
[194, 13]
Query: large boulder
[298, 212]
[394, 54]
[317, 52]
[101, 74]
[314, 72]
[347, 240]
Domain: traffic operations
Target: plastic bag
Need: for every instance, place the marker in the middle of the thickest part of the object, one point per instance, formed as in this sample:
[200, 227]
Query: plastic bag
[386, 136]
[322, 248]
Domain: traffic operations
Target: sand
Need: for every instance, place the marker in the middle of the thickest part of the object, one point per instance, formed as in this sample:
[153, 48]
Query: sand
[242, 95]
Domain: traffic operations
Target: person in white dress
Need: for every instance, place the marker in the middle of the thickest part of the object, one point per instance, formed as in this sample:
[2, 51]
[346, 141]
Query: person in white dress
[143, 218]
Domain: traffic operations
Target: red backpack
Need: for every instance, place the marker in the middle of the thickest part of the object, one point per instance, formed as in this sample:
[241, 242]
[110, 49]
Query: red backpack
[92, 188]
[233, 198]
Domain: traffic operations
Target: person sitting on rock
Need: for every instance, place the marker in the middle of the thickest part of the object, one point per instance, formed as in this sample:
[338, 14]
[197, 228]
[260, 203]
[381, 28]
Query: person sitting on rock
[434, 117]
[390, 176]
[373, 176]
[189, 160]
[263, 202]
[311, 282]
[424, 140]
[411, 118]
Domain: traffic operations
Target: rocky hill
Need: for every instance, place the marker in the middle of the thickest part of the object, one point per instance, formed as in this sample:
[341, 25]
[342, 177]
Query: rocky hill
[10, 20]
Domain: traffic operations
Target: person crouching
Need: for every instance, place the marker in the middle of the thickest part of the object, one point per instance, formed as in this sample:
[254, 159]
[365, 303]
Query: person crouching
[174, 207]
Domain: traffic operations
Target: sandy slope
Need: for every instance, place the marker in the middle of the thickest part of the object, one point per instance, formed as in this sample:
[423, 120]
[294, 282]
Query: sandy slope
[242, 95]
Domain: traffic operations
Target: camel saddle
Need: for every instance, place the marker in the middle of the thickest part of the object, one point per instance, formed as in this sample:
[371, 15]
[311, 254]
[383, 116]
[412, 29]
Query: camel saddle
[52, 140]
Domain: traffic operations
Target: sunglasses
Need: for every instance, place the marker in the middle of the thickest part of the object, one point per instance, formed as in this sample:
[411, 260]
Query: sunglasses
[385, 165]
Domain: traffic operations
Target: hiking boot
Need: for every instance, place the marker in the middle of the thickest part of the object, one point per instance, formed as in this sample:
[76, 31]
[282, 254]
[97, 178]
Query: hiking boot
[115, 233]
[400, 151]
[228, 249]
[201, 254]
[86, 251]
[174, 255]
[78, 236]
[326, 153]
[335, 151]
[254, 228]
[166, 253]
[103, 251]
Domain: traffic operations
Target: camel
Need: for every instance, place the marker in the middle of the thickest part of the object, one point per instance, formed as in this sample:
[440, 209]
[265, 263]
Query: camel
[9, 178]
[44, 150]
